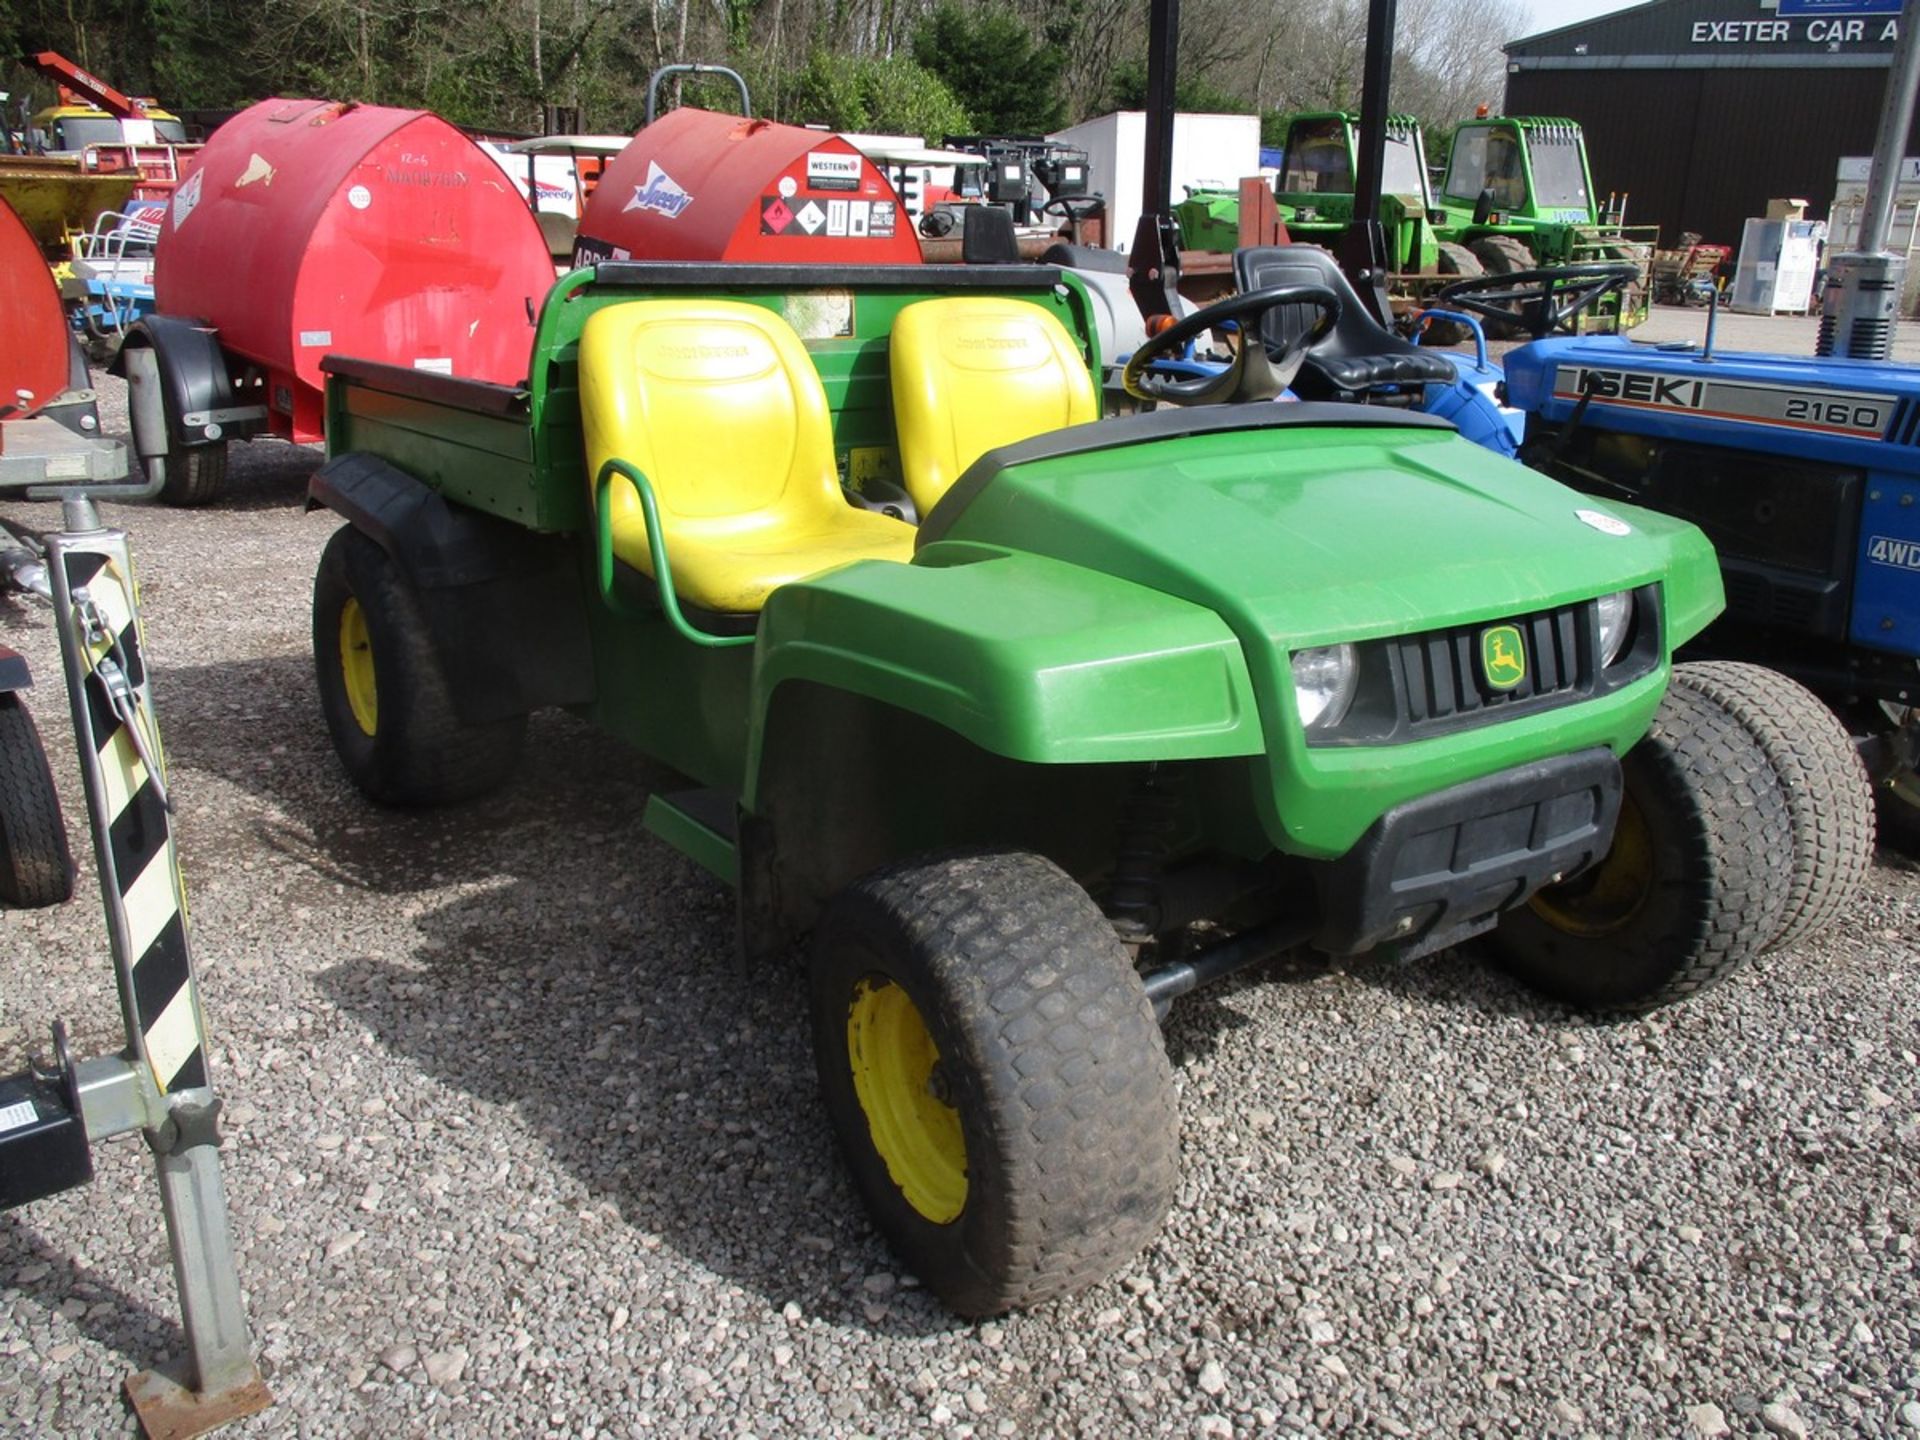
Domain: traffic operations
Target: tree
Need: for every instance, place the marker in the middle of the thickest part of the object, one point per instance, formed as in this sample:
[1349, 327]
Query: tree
[1008, 79]
[888, 95]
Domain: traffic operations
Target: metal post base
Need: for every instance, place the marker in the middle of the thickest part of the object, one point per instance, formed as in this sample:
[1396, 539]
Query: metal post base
[168, 1410]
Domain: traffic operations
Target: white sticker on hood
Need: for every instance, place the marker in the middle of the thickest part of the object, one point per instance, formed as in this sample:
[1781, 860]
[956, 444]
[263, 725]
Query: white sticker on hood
[1606, 524]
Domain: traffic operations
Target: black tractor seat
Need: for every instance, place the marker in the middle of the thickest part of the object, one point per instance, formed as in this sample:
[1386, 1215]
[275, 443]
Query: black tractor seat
[1361, 358]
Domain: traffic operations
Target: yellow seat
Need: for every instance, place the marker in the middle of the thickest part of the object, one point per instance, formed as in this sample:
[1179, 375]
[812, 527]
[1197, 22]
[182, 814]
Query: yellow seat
[974, 372]
[719, 406]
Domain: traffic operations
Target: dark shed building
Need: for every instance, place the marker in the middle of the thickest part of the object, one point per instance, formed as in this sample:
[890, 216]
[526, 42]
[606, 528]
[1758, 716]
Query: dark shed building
[1703, 110]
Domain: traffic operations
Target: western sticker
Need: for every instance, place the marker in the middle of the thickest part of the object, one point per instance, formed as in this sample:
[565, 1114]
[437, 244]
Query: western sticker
[661, 194]
[827, 171]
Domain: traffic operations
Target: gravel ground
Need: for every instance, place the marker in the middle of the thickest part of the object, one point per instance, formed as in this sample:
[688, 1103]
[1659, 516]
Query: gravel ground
[514, 1150]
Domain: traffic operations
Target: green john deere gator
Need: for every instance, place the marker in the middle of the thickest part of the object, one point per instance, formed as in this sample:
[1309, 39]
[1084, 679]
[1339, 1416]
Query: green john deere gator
[1029, 720]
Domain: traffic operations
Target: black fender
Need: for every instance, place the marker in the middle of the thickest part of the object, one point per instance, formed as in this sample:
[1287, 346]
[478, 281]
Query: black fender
[503, 603]
[195, 385]
[14, 674]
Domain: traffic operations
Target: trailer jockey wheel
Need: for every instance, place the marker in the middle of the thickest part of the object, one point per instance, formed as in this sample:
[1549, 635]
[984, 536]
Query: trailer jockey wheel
[1257, 373]
[1542, 301]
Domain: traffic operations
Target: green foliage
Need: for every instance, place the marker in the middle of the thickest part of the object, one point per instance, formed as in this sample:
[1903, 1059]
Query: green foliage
[891, 95]
[1009, 79]
[1273, 128]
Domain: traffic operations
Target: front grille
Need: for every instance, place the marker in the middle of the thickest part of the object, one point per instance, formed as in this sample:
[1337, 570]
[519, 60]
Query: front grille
[1441, 670]
[1411, 687]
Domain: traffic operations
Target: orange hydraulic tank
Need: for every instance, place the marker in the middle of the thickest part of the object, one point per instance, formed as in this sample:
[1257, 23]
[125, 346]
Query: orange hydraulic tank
[696, 185]
[33, 327]
[310, 227]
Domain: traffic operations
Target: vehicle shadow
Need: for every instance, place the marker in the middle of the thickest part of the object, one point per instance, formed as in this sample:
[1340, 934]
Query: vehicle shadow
[677, 1091]
[112, 1317]
[299, 806]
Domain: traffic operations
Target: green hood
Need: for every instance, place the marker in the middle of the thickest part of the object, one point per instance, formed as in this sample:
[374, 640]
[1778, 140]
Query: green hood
[1305, 536]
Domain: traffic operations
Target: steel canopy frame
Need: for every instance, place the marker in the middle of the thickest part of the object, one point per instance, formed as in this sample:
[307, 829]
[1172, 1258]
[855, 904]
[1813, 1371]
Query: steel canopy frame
[1154, 265]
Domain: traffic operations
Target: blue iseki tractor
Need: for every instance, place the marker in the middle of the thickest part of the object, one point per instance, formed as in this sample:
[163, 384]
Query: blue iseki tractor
[1805, 474]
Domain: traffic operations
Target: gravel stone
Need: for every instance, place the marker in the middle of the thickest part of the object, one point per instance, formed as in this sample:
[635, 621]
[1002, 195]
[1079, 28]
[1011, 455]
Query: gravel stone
[1212, 1380]
[556, 1100]
[1782, 1421]
[1708, 1420]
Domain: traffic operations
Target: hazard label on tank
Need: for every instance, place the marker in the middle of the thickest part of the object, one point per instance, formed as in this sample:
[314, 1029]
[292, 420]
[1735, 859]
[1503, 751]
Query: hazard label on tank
[810, 217]
[775, 217]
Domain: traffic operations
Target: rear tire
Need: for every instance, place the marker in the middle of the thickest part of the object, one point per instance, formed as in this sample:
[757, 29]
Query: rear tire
[1459, 260]
[1692, 887]
[1829, 801]
[995, 1075]
[195, 477]
[36, 868]
[382, 690]
[1502, 255]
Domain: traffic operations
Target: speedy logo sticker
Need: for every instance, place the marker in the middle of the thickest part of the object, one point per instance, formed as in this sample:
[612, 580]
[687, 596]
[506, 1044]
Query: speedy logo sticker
[1503, 657]
[186, 198]
[661, 194]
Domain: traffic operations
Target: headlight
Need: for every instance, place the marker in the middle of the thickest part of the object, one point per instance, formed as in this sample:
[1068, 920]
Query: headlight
[1616, 621]
[1323, 684]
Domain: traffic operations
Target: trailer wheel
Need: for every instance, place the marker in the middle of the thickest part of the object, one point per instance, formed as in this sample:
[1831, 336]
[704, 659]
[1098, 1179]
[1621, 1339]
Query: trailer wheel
[995, 1075]
[382, 690]
[36, 867]
[1829, 800]
[195, 477]
[1692, 887]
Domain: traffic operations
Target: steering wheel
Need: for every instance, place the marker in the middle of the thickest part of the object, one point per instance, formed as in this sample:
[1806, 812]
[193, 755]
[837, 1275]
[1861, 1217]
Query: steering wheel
[1255, 374]
[1074, 208]
[1540, 301]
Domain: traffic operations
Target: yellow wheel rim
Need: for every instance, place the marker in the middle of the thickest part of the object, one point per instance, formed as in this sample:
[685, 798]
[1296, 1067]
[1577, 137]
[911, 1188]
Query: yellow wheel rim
[896, 1081]
[1607, 897]
[356, 666]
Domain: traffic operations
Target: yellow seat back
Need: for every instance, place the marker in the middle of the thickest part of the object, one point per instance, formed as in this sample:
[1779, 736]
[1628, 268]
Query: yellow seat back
[718, 404]
[974, 372]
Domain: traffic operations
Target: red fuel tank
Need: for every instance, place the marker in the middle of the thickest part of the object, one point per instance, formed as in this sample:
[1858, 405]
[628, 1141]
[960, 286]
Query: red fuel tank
[310, 227]
[33, 327]
[696, 185]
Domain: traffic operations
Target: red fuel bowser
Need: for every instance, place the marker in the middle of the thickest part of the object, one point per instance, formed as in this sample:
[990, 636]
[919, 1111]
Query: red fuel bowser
[33, 328]
[308, 228]
[49, 424]
[697, 185]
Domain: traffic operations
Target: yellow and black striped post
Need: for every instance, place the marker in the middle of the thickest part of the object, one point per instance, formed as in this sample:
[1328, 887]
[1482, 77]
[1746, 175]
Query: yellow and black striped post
[161, 1083]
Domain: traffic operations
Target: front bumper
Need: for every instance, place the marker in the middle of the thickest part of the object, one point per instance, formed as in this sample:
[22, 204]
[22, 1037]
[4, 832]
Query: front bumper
[1437, 869]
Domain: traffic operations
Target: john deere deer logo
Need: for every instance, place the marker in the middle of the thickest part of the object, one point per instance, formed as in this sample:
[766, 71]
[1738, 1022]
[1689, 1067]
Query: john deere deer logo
[1503, 657]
